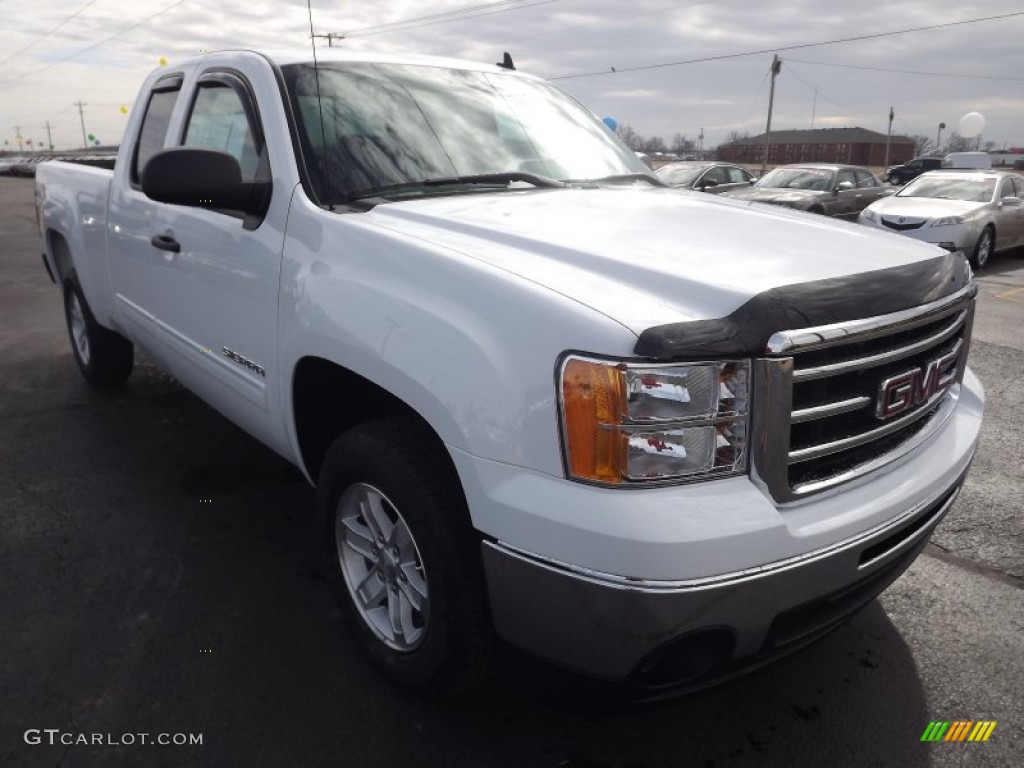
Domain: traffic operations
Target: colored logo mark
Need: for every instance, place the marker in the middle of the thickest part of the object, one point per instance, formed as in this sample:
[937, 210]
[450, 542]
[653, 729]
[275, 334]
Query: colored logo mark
[958, 730]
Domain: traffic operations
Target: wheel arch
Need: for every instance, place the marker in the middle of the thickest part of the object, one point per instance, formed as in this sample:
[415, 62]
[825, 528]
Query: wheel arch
[328, 399]
[60, 255]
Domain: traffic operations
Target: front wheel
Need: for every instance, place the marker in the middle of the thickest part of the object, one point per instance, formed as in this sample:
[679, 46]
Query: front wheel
[983, 250]
[104, 357]
[405, 557]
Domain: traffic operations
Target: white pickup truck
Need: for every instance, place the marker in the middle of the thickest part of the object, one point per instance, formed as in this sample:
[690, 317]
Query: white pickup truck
[651, 435]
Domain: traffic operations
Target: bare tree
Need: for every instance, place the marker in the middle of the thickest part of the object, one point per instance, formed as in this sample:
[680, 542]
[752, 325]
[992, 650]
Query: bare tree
[736, 136]
[632, 139]
[921, 144]
[988, 146]
[681, 144]
[653, 144]
[958, 143]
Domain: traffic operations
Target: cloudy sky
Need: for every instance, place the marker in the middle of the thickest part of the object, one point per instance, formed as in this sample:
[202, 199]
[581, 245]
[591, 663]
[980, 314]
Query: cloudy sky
[57, 52]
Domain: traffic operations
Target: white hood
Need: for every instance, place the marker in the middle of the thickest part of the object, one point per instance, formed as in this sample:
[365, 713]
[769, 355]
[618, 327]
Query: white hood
[648, 257]
[924, 207]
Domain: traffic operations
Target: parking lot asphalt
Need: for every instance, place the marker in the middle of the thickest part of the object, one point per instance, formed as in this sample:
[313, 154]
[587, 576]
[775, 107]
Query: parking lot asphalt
[160, 575]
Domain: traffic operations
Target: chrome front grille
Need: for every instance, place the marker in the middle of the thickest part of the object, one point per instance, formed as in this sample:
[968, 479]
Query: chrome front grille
[836, 402]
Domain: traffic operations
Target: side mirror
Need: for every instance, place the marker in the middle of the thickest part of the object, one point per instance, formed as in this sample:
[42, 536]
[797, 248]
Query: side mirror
[203, 178]
[844, 186]
[1010, 202]
[705, 183]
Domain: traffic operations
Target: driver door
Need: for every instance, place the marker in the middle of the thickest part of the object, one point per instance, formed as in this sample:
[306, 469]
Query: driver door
[216, 300]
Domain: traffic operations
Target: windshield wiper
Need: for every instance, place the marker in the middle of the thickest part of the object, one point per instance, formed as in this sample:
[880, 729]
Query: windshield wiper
[494, 179]
[621, 177]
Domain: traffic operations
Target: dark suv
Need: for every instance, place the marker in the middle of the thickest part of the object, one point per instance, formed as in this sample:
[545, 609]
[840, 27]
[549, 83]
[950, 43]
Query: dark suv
[901, 174]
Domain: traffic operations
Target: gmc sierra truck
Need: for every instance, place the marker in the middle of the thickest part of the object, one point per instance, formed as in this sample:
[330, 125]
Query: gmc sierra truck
[647, 434]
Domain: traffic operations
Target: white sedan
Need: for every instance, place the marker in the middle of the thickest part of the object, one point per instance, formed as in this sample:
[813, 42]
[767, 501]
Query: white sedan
[976, 212]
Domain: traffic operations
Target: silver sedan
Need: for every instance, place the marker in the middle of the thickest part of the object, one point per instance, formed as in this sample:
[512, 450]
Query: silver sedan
[976, 212]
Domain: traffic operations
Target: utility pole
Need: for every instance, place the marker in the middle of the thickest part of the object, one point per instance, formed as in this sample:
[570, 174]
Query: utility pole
[888, 135]
[938, 138]
[776, 66]
[814, 105]
[49, 136]
[17, 136]
[331, 37]
[700, 143]
[81, 116]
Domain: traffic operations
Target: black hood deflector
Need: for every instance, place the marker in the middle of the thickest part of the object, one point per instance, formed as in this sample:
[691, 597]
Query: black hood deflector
[745, 332]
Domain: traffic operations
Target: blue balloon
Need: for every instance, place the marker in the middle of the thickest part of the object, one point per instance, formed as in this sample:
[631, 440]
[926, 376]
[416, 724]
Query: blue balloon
[611, 122]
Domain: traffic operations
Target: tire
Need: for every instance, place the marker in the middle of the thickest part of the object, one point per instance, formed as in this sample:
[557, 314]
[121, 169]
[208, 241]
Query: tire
[415, 596]
[104, 357]
[983, 250]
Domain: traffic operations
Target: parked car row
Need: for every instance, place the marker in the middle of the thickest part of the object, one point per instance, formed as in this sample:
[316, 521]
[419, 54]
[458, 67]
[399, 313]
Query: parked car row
[21, 166]
[25, 165]
[975, 211]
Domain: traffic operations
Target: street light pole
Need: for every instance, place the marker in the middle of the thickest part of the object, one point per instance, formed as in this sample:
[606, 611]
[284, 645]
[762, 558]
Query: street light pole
[776, 66]
[888, 136]
[938, 138]
[81, 117]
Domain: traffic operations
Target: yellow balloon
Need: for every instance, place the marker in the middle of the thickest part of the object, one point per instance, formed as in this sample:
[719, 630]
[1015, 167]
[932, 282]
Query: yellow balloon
[124, 110]
[163, 61]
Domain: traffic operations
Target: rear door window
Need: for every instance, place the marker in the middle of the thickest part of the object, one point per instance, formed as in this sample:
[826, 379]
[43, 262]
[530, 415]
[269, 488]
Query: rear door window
[865, 180]
[739, 176]
[153, 134]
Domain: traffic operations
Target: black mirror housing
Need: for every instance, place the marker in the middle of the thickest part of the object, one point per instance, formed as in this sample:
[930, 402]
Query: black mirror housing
[202, 178]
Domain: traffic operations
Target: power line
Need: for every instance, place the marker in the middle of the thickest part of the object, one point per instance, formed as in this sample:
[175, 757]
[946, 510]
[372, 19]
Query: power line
[429, 17]
[794, 47]
[49, 32]
[104, 41]
[629, 16]
[366, 31]
[906, 71]
[817, 92]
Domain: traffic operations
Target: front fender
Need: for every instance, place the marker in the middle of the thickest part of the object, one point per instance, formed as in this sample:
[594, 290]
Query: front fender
[468, 346]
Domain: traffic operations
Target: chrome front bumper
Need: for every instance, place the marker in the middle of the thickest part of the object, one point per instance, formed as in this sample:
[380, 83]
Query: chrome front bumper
[685, 634]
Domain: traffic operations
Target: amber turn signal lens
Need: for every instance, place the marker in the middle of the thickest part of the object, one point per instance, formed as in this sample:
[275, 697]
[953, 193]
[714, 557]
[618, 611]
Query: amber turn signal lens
[594, 401]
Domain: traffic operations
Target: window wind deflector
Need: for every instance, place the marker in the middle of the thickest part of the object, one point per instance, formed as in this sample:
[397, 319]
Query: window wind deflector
[650, 178]
[168, 83]
[492, 179]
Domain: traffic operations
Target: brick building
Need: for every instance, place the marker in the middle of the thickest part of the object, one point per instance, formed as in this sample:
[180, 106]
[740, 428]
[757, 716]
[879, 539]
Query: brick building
[857, 146]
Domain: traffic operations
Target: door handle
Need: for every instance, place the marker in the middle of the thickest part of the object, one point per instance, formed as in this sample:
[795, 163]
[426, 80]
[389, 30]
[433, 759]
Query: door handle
[166, 243]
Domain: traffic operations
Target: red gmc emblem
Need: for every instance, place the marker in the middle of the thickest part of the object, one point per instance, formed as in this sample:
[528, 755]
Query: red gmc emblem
[902, 393]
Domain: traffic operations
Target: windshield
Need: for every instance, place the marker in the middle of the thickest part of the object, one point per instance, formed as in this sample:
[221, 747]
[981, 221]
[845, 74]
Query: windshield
[971, 190]
[818, 179]
[396, 126]
[680, 174]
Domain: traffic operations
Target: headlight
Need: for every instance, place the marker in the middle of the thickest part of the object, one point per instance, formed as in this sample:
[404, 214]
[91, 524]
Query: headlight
[947, 221]
[634, 424]
[868, 215]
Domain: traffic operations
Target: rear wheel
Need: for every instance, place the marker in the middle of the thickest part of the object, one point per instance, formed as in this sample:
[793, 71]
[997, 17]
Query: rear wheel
[983, 250]
[405, 557]
[104, 357]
